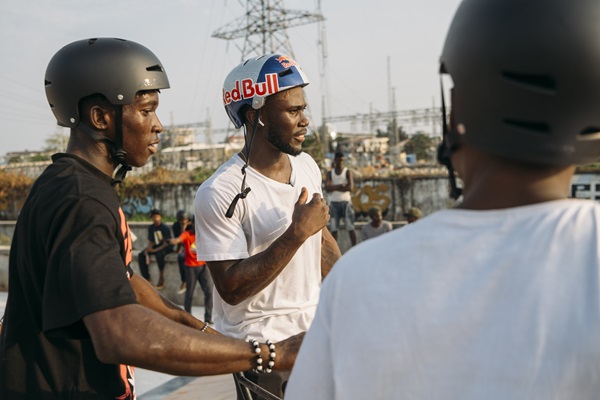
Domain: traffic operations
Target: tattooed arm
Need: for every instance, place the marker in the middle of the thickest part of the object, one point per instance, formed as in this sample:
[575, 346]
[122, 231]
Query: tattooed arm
[236, 280]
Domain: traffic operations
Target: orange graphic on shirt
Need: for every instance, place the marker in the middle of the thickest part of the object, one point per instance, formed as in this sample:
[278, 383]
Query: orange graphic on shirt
[127, 245]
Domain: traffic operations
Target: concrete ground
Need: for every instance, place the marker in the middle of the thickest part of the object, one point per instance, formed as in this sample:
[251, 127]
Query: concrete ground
[152, 385]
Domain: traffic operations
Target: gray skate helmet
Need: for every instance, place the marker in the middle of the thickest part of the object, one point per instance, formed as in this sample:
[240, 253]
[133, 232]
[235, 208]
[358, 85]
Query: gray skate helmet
[115, 68]
[526, 76]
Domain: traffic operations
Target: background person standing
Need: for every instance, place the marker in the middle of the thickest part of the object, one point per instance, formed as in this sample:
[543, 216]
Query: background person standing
[159, 235]
[413, 215]
[339, 185]
[195, 271]
[179, 226]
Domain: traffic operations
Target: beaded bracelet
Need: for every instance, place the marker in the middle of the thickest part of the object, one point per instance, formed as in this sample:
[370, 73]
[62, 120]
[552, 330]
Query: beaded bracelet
[272, 356]
[204, 328]
[259, 360]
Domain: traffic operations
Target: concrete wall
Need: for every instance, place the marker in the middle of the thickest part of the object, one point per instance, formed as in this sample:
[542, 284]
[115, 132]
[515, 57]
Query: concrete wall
[394, 195]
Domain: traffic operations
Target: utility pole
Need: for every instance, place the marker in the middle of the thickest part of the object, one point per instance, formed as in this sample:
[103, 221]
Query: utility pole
[325, 134]
[393, 123]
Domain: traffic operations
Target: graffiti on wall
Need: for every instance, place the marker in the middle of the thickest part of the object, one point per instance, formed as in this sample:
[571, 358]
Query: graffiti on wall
[137, 205]
[369, 196]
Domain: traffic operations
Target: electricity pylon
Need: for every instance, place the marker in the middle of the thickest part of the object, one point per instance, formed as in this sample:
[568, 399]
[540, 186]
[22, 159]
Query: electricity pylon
[264, 27]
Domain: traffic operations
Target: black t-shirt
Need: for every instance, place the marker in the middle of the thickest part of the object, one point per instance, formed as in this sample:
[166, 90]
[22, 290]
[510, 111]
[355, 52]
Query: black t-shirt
[69, 257]
[158, 235]
[177, 231]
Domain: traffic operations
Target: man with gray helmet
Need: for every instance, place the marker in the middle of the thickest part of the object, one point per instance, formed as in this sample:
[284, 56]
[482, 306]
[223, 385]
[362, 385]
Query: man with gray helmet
[77, 317]
[498, 297]
[267, 248]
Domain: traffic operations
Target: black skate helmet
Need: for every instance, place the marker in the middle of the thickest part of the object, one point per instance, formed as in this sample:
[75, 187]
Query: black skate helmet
[526, 79]
[115, 68]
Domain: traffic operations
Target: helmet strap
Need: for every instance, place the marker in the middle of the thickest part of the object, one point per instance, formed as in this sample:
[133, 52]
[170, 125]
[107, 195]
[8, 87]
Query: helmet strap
[445, 150]
[118, 152]
[247, 148]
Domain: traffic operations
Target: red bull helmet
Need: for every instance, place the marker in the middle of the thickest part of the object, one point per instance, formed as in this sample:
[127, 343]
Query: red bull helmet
[251, 82]
[526, 76]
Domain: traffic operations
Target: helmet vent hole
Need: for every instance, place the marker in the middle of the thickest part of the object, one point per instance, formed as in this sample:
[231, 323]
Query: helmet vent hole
[284, 73]
[543, 83]
[539, 127]
[156, 67]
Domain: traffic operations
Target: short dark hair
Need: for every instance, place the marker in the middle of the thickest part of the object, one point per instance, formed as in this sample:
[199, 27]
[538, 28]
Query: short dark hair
[374, 210]
[339, 154]
[154, 212]
[181, 214]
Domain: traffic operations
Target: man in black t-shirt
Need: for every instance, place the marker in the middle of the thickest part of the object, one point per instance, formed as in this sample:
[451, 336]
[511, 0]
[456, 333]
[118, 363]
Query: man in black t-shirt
[77, 317]
[159, 235]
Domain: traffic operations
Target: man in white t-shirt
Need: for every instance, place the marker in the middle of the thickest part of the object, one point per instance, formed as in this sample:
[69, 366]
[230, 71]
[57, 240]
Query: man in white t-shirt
[377, 226]
[497, 298]
[269, 248]
[339, 185]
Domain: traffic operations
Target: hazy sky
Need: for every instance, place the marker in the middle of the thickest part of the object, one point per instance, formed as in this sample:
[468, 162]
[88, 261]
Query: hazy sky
[360, 35]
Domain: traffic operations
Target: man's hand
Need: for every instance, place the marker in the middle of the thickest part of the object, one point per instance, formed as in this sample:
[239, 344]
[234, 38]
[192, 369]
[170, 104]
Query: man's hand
[308, 218]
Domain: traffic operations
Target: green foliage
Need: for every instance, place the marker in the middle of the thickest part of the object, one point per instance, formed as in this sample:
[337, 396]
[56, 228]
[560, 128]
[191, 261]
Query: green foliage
[139, 217]
[592, 167]
[201, 174]
[40, 157]
[421, 145]
[57, 142]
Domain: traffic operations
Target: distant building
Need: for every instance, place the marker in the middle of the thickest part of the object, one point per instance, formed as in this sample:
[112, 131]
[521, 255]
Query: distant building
[28, 163]
[194, 155]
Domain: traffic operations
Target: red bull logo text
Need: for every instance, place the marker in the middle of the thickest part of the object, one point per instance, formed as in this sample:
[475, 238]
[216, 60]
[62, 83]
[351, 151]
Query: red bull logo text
[286, 61]
[247, 88]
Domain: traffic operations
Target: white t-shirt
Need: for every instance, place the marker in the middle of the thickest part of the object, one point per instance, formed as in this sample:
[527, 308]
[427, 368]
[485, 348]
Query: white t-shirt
[287, 305]
[341, 179]
[369, 232]
[501, 304]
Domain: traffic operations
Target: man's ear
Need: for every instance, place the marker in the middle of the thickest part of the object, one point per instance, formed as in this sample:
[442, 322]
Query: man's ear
[252, 115]
[100, 117]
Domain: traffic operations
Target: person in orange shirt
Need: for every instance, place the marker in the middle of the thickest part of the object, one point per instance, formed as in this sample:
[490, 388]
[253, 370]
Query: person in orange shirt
[195, 271]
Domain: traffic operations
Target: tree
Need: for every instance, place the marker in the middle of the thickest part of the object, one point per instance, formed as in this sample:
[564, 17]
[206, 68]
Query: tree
[57, 142]
[421, 145]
